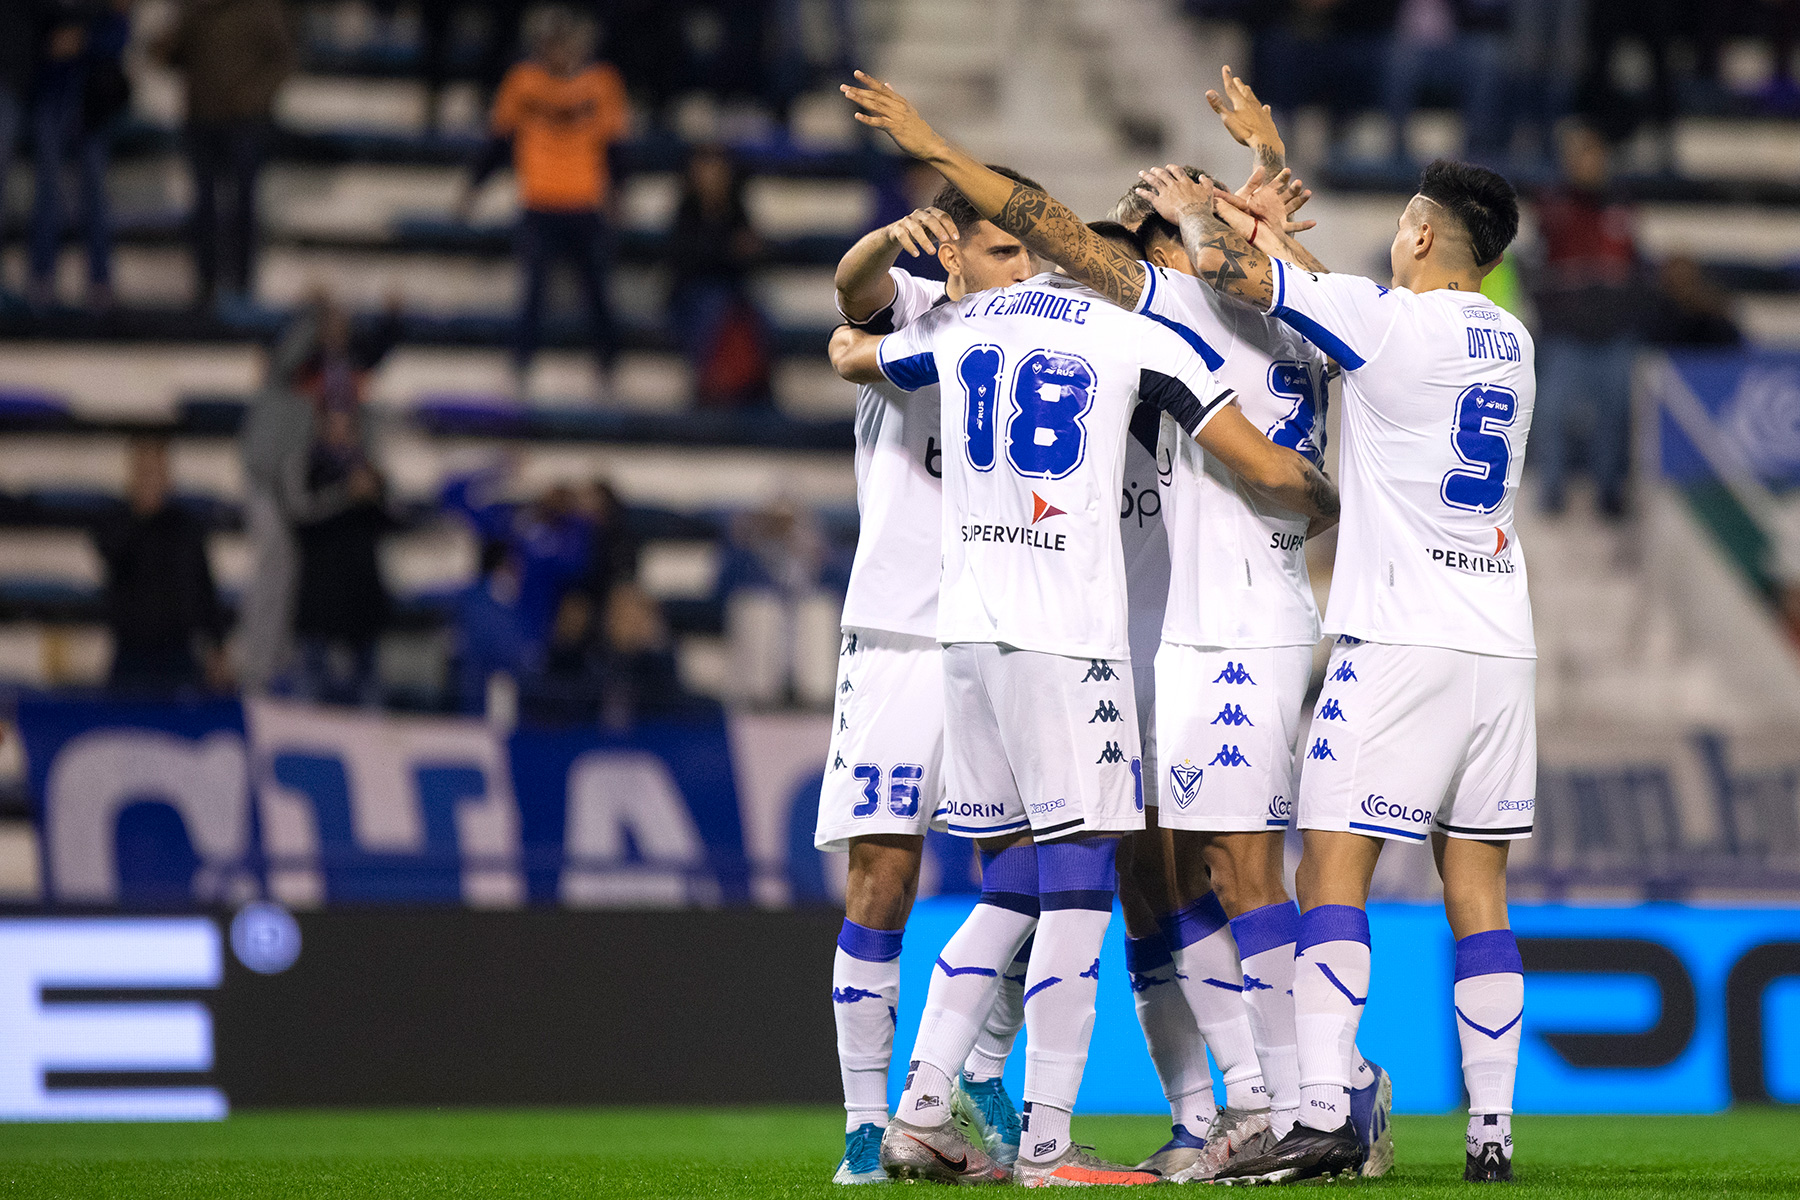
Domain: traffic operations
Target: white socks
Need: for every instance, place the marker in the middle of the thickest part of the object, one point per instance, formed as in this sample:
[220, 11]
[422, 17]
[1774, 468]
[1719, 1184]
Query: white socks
[1043, 1130]
[1170, 1033]
[1265, 940]
[1490, 1008]
[1331, 985]
[1004, 1020]
[1210, 976]
[865, 992]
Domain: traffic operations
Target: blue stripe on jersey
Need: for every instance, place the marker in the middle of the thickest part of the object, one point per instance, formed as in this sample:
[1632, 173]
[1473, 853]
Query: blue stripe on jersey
[1149, 296]
[912, 372]
[1212, 358]
[1314, 332]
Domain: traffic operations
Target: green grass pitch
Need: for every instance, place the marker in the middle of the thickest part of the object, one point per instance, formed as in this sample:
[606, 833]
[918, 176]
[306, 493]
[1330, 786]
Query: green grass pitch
[757, 1152]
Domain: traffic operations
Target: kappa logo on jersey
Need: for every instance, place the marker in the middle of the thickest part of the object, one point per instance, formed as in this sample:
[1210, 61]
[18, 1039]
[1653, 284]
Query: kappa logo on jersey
[1345, 673]
[1329, 711]
[1232, 714]
[1186, 778]
[1229, 756]
[844, 688]
[1099, 671]
[1381, 806]
[839, 764]
[1043, 510]
[1112, 754]
[1106, 713]
[1234, 673]
[1321, 749]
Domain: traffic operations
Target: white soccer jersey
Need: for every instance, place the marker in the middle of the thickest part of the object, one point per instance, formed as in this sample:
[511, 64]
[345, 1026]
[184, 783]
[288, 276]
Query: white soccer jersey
[1438, 391]
[1238, 572]
[894, 578]
[1041, 379]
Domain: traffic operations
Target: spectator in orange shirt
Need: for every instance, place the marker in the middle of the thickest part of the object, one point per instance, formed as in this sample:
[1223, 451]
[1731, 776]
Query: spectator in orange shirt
[559, 113]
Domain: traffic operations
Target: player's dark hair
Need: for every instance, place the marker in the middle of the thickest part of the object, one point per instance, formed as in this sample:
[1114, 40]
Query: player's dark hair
[1134, 207]
[1480, 200]
[955, 205]
[1157, 226]
[1119, 236]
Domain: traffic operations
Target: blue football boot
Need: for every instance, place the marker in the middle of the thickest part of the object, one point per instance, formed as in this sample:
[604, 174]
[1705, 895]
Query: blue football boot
[1371, 1112]
[862, 1156]
[986, 1114]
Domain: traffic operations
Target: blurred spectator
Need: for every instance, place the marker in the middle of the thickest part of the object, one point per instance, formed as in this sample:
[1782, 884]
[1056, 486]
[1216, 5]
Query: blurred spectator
[548, 541]
[712, 247]
[1592, 308]
[639, 674]
[78, 94]
[232, 55]
[1455, 46]
[780, 610]
[1654, 25]
[613, 552]
[1692, 310]
[560, 112]
[490, 632]
[1779, 22]
[1329, 52]
[338, 503]
[160, 602]
[1545, 55]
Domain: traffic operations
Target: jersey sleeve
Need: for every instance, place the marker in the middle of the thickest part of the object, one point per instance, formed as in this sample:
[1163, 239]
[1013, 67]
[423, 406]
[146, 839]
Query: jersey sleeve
[913, 298]
[1172, 377]
[906, 356]
[1346, 316]
[1158, 302]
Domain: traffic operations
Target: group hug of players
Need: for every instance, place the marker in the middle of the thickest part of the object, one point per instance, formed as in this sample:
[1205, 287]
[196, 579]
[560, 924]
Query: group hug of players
[1079, 630]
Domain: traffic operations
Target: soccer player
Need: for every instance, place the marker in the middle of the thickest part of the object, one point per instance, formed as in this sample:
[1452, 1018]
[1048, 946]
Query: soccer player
[1044, 377]
[1237, 650]
[884, 779]
[1426, 728]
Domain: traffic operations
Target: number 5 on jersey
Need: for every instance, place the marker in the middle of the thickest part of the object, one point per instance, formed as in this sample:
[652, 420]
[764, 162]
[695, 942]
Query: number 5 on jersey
[1482, 413]
[1051, 393]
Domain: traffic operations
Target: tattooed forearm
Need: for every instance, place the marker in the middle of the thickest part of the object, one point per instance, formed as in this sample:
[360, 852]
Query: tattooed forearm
[1321, 497]
[1048, 227]
[1303, 258]
[1225, 260]
[1272, 158]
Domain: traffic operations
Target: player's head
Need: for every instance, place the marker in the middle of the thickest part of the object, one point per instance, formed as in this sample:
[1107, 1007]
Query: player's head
[1132, 208]
[1119, 236]
[1463, 218]
[560, 39]
[983, 256]
[1163, 246]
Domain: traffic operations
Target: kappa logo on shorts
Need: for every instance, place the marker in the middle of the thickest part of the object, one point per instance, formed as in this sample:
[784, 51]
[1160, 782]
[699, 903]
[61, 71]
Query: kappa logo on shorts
[843, 722]
[1234, 673]
[1321, 749]
[1345, 673]
[1106, 713]
[849, 643]
[1517, 805]
[1186, 777]
[1329, 711]
[838, 762]
[1232, 714]
[1099, 671]
[1229, 756]
[1112, 754]
[844, 688]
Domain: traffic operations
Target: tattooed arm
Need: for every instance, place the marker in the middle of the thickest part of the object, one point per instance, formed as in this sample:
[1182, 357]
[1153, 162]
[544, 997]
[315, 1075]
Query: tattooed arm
[1250, 121]
[1219, 253]
[1275, 473]
[1045, 225]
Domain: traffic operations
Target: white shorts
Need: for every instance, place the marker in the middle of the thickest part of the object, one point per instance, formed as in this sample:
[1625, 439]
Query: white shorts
[1227, 720]
[1410, 739]
[884, 770]
[1040, 741]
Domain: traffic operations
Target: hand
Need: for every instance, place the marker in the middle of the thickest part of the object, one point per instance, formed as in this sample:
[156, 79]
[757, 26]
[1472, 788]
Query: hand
[1246, 118]
[884, 108]
[1272, 201]
[1173, 194]
[914, 232]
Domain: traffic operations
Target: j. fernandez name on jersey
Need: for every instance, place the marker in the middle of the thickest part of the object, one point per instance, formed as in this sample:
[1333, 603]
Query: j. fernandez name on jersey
[1036, 304]
[1020, 535]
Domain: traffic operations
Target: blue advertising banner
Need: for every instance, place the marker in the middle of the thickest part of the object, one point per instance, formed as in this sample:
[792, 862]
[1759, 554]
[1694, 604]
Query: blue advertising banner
[1642, 1009]
[1753, 398]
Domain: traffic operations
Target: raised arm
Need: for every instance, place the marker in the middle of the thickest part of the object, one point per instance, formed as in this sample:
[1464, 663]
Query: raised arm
[1277, 474]
[1250, 121]
[863, 284]
[1046, 226]
[854, 354]
[1219, 253]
